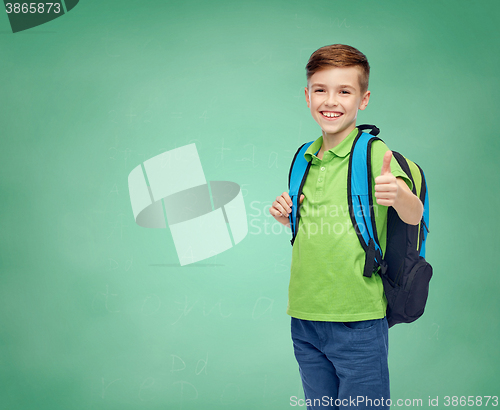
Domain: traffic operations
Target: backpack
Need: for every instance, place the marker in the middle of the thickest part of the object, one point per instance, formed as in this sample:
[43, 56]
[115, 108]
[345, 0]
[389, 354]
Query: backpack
[404, 271]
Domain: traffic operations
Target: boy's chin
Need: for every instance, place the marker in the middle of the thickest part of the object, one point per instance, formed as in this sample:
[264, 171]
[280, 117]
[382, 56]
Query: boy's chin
[338, 131]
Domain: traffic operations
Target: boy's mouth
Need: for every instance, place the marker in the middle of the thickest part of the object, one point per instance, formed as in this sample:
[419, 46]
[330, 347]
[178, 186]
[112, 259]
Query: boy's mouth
[331, 114]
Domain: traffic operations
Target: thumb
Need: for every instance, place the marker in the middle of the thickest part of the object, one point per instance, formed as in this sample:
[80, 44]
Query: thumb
[386, 165]
[301, 198]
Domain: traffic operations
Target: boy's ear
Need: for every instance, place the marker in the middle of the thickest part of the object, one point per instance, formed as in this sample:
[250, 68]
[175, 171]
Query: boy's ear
[307, 98]
[364, 100]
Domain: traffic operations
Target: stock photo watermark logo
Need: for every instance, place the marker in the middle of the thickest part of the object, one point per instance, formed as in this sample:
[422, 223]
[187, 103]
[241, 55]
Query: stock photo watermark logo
[205, 219]
[320, 220]
[23, 16]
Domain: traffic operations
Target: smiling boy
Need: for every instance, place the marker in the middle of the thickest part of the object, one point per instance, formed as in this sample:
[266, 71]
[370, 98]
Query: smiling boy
[338, 325]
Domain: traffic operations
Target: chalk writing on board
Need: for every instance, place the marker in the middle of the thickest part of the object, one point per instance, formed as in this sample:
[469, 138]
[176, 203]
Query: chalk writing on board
[262, 306]
[131, 114]
[339, 23]
[250, 159]
[198, 142]
[105, 387]
[151, 305]
[118, 226]
[282, 265]
[185, 310]
[221, 149]
[178, 365]
[187, 391]
[263, 57]
[435, 334]
[273, 160]
[218, 304]
[106, 298]
[244, 192]
[146, 385]
[203, 367]
[113, 117]
[114, 190]
[204, 116]
[113, 264]
[411, 332]
[186, 307]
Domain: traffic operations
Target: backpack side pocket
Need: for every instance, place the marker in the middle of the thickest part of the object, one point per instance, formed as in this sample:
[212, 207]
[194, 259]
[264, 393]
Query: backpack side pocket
[417, 287]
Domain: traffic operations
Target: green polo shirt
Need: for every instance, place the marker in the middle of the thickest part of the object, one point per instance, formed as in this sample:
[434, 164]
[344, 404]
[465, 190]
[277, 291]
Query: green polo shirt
[326, 279]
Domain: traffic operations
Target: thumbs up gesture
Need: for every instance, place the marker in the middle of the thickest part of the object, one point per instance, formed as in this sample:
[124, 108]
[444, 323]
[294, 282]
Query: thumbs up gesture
[386, 186]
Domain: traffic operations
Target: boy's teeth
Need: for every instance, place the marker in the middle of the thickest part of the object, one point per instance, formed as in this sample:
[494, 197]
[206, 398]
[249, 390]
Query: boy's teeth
[331, 114]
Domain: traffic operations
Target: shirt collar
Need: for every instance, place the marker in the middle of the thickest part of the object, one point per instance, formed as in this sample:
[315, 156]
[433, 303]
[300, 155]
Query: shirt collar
[341, 150]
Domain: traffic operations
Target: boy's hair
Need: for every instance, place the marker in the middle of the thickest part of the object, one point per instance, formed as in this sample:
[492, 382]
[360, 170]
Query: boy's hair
[339, 55]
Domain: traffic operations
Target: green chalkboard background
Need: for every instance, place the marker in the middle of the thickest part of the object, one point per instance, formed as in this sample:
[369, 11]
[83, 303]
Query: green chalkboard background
[97, 313]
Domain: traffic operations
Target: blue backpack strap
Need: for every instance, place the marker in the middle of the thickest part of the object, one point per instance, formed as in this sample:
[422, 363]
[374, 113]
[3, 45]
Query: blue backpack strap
[425, 220]
[424, 197]
[296, 178]
[359, 195]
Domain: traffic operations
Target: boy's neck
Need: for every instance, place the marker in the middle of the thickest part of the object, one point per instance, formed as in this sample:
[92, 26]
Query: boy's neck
[331, 141]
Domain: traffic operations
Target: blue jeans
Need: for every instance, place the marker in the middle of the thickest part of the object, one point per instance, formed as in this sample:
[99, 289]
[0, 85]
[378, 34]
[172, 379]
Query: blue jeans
[343, 365]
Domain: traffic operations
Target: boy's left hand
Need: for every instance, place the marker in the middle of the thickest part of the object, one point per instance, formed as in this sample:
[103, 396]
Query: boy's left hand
[386, 185]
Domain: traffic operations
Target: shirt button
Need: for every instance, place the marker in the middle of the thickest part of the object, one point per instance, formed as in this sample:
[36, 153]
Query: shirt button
[319, 180]
[323, 168]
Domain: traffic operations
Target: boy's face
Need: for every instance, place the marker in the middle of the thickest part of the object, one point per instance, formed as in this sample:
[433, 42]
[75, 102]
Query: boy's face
[334, 97]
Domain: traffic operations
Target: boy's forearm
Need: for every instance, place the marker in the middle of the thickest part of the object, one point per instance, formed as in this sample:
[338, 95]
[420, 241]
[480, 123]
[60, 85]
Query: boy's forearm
[408, 206]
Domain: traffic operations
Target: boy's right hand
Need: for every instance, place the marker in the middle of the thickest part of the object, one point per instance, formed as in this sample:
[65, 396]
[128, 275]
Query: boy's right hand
[282, 207]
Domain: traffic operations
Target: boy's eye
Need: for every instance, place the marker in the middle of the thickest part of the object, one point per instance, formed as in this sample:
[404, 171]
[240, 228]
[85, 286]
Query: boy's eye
[344, 92]
[319, 90]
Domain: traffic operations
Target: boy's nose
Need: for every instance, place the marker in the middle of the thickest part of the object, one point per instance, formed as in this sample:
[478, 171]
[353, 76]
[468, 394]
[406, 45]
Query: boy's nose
[331, 101]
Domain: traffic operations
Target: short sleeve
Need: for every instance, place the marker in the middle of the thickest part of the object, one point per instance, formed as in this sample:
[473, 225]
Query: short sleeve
[378, 151]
